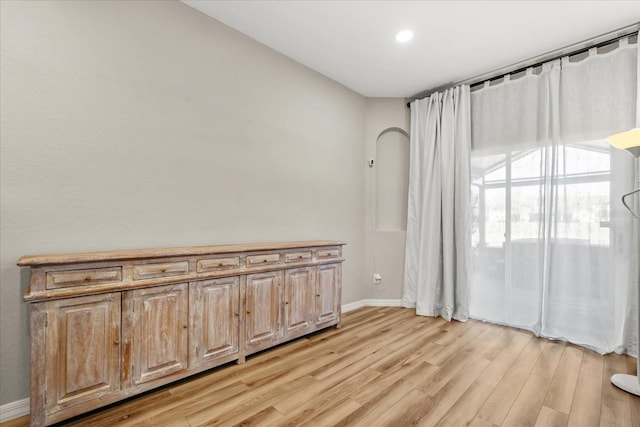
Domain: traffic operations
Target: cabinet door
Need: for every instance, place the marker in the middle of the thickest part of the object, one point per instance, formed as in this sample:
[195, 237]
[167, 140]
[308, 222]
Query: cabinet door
[157, 330]
[214, 320]
[263, 310]
[298, 301]
[82, 349]
[328, 291]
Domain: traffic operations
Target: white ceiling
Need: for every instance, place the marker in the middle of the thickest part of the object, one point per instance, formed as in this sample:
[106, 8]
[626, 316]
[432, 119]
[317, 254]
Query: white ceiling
[353, 42]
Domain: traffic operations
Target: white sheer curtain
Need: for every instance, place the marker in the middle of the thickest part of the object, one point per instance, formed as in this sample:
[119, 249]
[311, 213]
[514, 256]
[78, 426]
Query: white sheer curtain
[438, 217]
[553, 248]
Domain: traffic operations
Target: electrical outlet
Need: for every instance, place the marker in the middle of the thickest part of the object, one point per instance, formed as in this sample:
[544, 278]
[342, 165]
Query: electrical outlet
[377, 278]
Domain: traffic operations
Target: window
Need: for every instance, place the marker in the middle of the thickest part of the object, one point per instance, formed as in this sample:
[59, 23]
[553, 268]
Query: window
[508, 195]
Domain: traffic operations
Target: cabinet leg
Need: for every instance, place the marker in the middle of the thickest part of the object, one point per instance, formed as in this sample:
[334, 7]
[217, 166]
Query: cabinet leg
[240, 360]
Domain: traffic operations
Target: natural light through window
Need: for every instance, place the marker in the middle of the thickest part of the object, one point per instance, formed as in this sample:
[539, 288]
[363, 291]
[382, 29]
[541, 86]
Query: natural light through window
[508, 201]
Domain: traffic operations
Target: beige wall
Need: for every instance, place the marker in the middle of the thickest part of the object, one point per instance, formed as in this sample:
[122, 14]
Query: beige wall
[147, 124]
[384, 248]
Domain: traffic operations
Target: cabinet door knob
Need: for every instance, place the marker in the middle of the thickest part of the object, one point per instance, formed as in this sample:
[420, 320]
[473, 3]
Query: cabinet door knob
[248, 312]
[184, 326]
[116, 342]
[317, 295]
[286, 302]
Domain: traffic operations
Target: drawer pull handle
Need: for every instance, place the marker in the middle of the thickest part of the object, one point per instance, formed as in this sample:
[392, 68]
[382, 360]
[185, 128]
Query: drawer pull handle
[264, 260]
[163, 270]
[87, 279]
[300, 256]
[220, 264]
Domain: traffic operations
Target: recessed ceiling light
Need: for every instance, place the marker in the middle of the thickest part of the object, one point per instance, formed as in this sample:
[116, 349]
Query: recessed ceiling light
[404, 36]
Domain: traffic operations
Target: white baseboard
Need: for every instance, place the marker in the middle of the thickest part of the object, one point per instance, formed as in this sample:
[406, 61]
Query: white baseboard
[371, 303]
[12, 410]
[20, 408]
[352, 306]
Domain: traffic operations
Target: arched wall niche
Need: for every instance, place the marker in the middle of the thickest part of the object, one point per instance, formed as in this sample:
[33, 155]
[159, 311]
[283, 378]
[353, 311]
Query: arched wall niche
[391, 179]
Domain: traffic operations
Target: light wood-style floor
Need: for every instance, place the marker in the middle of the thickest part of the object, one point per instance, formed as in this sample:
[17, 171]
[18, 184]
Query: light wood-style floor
[389, 367]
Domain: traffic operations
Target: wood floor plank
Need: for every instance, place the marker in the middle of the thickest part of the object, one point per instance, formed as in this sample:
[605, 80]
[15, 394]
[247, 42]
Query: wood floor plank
[334, 414]
[479, 422]
[250, 403]
[592, 361]
[549, 417]
[135, 412]
[385, 343]
[498, 343]
[484, 338]
[415, 405]
[456, 387]
[585, 408]
[615, 413]
[129, 412]
[178, 409]
[16, 422]
[563, 386]
[447, 371]
[302, 407]
[505, 393]
[466, 408]
[548, 361]
[497, 369]
[526, 407]
[461, 338]
[411, 374]
[383, 401]
[519, 342]
[402, 350]
[265, 417]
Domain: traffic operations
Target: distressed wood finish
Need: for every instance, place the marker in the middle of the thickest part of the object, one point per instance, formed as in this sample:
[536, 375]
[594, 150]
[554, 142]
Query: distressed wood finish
[83, 257]
[299, 293]
[83, 360]
[263, 310]
[214, 320]
[61, 279]
[328, 288]
[157, 331]
[109, 325]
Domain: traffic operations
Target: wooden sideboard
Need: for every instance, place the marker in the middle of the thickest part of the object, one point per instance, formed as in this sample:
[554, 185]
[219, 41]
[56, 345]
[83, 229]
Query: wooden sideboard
[109, 325]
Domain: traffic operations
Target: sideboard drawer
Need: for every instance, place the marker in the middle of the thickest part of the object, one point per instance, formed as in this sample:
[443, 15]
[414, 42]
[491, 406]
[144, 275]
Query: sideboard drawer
[93, 276]
[266, 259]
[164, 269]
[328, 253]
[216, 264]
[297, 256]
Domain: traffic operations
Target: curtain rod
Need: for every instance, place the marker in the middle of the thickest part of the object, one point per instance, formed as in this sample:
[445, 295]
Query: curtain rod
[570, 50]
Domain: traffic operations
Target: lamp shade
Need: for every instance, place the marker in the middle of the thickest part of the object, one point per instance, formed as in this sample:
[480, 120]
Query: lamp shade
[629, 140]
